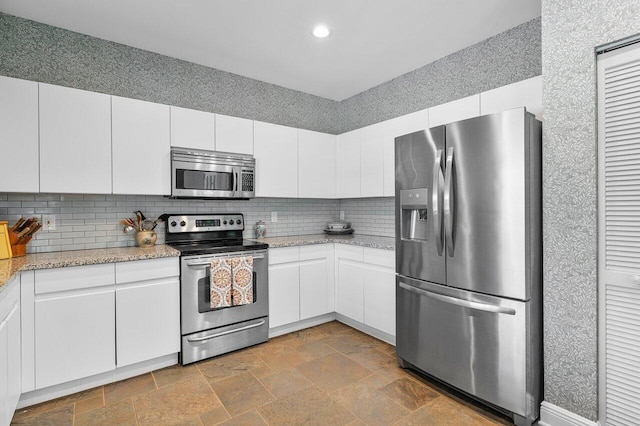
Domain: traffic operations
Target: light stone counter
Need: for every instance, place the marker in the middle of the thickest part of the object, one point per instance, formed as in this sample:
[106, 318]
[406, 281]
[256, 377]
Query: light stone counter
[371, 241]
[10, 267]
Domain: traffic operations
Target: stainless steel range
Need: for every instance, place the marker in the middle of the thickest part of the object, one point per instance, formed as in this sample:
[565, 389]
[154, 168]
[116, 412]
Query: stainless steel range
[208, 331]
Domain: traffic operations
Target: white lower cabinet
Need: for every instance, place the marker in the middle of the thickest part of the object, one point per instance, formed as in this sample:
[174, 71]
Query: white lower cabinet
[91, 319]
[300, 283]
[147, 310]
[10, 360]
[366, 286]
[74, 323]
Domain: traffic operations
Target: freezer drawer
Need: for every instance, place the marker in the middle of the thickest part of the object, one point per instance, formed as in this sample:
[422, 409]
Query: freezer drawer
[474, 342]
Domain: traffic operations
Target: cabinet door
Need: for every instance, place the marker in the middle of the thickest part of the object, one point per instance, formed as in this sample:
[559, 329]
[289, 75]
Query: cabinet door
[371, 161]
[19, 135]
[141, 145]
[192, 129]
[148, 321]
[316, 165]
[349, 164]
[380, 299]
[5, 417]
[234, 134]
[284, 294]
[350, 289]
[525, 93]
[391, 129]
[276, 152]
[460, 109]
[315, 280]
[75, 141]
[74, 336]
[14, 357]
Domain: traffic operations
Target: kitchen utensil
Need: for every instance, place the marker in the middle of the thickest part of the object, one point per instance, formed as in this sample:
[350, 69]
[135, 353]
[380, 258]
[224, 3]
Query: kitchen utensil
[139, 218]
[16, 225]
[339, 231]
[147, 224]
[338, 225]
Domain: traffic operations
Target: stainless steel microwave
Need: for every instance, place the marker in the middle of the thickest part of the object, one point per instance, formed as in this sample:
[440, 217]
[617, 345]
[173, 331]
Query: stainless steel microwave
[211, 174]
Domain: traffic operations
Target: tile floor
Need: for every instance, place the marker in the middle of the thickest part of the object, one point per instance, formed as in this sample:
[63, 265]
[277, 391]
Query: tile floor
[326, 375]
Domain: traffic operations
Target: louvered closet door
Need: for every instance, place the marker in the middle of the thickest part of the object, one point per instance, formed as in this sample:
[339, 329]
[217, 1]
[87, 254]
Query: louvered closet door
[619, 235]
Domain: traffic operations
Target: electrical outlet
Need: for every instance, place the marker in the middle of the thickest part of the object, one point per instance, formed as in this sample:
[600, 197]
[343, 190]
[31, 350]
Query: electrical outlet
[49, 222]
[274, 216]
[341, 214]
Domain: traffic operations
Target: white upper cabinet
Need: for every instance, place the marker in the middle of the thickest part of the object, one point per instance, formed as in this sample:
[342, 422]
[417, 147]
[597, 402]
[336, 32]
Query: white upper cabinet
[349, 164]
[460, 109]
[276, 153]
[316, 165]
[141, 146]
[525, 93]
[19, 135]
[234, 134]
[192, 129]
[371, 161]
[75, 141]
[391, 129]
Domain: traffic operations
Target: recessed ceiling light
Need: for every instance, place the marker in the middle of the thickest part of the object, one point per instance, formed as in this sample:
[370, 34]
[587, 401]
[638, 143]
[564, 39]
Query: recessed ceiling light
[321, 31]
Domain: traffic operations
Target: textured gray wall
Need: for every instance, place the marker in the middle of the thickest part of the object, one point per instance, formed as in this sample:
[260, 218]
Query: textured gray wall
[506, 58]
[39, 52]
[570, 32]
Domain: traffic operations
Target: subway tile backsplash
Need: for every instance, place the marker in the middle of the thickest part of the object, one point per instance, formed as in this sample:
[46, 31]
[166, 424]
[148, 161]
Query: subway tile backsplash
[91, 221]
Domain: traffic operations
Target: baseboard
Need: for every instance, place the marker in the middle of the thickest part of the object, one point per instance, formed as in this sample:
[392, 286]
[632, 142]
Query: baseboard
[552, 415]
[385, 337]
[301, 325]
[41, 395]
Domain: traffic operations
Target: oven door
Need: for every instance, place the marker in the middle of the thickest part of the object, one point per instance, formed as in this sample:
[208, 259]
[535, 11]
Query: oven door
[196, 312]
[191, 179]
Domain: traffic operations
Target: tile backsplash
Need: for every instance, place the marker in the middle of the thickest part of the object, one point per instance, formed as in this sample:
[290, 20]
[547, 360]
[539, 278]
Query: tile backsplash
[91, 221]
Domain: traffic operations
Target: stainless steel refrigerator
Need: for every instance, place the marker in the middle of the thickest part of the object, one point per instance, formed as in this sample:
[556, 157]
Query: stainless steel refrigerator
[468, 258]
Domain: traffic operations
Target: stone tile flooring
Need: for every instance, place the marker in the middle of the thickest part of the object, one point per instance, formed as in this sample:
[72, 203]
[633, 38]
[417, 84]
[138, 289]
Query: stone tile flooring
[326, 375]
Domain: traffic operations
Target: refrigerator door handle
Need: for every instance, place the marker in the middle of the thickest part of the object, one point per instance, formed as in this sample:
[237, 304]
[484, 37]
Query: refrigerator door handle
[436, 201]
[449, 202]
[460, 302]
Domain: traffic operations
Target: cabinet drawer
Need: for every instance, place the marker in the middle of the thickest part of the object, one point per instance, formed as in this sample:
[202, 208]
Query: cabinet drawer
[284, 255]
[349, 252]
[151, 269]
[379, 257]
[74, 278]
[318, 251]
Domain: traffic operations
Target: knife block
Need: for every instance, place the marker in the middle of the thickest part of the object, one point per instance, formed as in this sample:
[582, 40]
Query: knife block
[18, 249]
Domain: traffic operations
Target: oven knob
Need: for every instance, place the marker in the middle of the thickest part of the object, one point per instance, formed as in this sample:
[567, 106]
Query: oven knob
[183, 223]
[238, 222]
[173, 223]
[224, 222]
[231, 222]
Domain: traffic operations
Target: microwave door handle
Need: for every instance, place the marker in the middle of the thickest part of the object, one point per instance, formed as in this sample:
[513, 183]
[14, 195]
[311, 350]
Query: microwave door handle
[237, 171]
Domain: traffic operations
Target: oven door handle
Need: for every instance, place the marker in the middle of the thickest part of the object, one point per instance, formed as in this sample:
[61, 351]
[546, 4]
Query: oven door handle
[224, 333]
[208, 262]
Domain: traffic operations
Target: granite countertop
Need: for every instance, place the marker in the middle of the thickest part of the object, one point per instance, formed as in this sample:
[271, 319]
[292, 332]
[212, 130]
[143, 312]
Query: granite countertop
[10, 267]
[371, 241]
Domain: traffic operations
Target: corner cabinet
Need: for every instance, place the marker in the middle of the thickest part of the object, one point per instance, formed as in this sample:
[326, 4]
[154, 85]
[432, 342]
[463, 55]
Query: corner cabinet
[75, 140]
[141, 147]
[365, 288]
[10, 355]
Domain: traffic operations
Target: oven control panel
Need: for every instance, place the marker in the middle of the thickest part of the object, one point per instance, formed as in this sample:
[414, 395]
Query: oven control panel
[205, 223]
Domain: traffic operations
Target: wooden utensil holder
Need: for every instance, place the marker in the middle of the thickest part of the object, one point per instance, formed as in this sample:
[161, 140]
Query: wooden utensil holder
[18, 248]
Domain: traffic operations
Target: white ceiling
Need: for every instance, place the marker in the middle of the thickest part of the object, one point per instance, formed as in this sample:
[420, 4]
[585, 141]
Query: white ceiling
[373, 41]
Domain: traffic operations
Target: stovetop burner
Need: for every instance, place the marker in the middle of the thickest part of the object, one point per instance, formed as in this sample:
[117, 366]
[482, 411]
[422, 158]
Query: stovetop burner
[194, 234]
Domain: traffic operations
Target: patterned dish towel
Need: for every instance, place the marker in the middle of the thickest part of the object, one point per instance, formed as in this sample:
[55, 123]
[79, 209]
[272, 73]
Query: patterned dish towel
[220, 286]
[242, 281]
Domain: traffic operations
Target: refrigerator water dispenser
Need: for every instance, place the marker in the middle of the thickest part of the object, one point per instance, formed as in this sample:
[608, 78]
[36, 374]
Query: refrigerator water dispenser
[414, 223]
